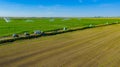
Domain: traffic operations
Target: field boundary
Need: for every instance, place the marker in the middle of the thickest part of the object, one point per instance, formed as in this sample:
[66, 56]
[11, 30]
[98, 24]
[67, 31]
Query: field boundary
[54, 32]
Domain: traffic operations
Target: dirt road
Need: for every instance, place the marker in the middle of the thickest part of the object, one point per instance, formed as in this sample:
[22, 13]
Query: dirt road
[97, 47]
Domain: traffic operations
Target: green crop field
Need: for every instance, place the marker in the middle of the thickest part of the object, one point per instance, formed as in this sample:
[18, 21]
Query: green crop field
[20, 25]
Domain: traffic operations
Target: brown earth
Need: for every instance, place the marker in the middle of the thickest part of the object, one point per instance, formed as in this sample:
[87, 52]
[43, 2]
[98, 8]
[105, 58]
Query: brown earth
[97, 47]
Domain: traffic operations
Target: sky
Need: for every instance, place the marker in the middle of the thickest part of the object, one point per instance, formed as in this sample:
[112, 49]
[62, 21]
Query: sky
[59, 8]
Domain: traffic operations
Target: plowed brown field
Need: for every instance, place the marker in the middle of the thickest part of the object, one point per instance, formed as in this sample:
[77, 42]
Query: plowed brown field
[97, 47]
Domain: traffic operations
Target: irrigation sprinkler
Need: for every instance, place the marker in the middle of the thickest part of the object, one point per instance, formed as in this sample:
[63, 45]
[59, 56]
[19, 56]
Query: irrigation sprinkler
[52, 20]
[37, 32]
[26, 34]
[29, 21]
[107, 23]
[64, 28]
[15, 35]
[66, 19]
[91, 25]
[7, 20]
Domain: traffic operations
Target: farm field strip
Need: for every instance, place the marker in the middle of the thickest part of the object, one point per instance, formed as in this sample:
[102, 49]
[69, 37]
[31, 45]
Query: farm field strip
[21, 25]
[96, 47]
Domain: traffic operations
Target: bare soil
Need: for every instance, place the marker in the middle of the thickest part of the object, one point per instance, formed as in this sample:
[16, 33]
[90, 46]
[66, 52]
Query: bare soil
[96, 47]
